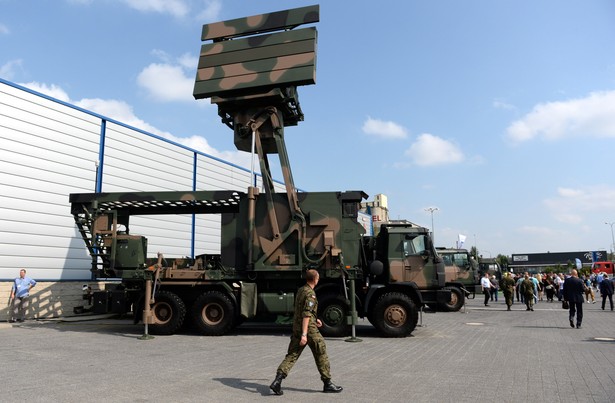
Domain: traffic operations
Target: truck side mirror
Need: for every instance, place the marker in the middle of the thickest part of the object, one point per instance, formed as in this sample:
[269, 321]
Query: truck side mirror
[376, 268]
[428, 243]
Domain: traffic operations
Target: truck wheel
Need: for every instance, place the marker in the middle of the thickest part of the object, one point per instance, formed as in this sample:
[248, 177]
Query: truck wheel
[332, 311]
[395, 315]
[169, 313]
[456, 301]
[213, 313]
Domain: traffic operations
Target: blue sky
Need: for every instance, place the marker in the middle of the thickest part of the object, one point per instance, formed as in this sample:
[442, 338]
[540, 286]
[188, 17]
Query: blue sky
[499, 113]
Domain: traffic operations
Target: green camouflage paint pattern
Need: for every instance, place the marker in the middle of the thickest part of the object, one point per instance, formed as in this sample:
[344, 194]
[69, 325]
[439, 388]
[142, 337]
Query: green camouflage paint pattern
[246, 57]
[255, 24]
[314, 241]
[460, 267]
[411, 256]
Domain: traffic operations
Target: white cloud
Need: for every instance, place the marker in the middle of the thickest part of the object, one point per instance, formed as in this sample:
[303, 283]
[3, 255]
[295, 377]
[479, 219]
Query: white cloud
[201, 10]
[188, 61]
[123, 112]
[573, 205]
[430, 150]
[384, 129]
[535, 230]
[592, 116]
[177, 8]
[162, 55]
[211, 12]
[7, 70]
[50, 90]
[166, 82]
[501, 104]
[117, 110]
[4, 30]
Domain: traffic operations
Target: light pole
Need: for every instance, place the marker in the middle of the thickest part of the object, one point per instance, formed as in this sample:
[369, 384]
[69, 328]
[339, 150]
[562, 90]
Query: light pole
[612, 238]
[433, 234]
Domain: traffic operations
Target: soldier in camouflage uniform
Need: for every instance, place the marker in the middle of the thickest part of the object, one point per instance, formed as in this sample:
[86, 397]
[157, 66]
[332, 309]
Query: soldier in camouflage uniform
[527, 289]
[305, 332]
[507, 284]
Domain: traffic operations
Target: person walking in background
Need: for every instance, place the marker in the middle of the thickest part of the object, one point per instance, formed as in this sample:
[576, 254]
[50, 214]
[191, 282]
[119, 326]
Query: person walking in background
[574, 292]
[527, 289]
[485, 283]
[599, 278]
[494, 288]
[606, 290]
[560, 284]
[518, 287]
[592, 277]
[536, 287]
[589, 291]
[549, 288]
[305, 333]
[507, 284]
[20, 295]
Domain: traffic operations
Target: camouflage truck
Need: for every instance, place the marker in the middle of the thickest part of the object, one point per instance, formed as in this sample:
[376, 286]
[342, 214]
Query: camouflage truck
[491, 265]
[462, 277]
[268, 238]
[256, 276]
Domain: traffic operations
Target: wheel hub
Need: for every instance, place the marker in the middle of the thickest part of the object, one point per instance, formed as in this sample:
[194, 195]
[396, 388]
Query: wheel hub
[212, 314]
[395, 315]
[333, 315]
[163, 312]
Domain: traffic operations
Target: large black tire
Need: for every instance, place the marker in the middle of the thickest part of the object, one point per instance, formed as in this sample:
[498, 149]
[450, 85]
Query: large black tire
[456, 301]
[213, 313]
[395, 315]
[169, 311]
[332, 312]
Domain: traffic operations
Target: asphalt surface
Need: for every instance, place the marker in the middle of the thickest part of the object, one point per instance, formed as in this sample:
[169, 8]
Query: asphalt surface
[484, 354]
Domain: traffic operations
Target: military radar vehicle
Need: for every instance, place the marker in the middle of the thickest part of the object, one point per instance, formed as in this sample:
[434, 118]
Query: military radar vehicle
[251, 71]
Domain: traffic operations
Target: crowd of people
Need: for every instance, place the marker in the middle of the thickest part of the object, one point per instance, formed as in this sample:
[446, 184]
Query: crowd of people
[529, 289]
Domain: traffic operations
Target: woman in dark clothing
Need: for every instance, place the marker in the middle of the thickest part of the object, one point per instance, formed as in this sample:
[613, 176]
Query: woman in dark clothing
[549, 288]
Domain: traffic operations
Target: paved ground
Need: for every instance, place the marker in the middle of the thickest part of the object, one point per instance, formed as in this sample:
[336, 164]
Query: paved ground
[481, 355]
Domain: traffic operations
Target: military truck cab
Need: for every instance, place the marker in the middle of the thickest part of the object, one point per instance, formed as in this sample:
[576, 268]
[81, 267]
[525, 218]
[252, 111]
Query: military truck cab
[489, 265]
[405, 258]
[462, 278]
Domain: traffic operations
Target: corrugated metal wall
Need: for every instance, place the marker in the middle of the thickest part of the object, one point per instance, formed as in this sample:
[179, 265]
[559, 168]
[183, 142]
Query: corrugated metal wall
[49, 149]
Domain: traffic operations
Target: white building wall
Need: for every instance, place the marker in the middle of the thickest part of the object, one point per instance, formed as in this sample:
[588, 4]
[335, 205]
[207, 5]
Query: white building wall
[49, 149]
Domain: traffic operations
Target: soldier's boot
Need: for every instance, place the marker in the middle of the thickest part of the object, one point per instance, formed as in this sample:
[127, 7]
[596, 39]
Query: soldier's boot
[330, 387]
[276, 386]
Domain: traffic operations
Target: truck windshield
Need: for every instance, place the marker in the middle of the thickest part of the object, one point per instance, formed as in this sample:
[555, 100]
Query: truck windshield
[414, 246]
[455, 259]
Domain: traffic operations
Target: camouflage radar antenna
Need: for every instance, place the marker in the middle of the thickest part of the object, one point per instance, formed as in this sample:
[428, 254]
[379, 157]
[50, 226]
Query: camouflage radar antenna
[251, 72]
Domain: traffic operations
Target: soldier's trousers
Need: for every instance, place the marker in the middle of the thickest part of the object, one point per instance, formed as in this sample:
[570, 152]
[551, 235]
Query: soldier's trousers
[529, 301]
[319, 350]
[508, 296]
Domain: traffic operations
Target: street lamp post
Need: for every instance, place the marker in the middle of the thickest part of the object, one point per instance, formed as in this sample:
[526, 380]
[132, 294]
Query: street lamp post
[612, 238]
[433, 234]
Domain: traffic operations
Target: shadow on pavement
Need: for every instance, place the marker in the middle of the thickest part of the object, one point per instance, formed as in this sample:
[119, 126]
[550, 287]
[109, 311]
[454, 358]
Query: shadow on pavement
[262, 388]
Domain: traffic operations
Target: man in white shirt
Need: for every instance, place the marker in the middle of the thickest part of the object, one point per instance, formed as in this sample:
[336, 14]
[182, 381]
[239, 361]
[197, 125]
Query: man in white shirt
[486, 285]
